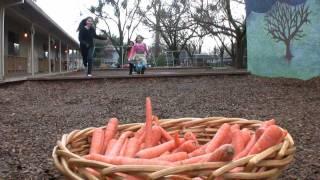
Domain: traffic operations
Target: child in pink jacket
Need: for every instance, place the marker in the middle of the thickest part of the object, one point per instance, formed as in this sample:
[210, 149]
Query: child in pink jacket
[139, 52]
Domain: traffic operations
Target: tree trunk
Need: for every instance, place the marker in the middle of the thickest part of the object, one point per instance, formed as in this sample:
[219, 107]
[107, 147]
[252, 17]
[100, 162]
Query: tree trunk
[176, 55]
[288, 51]
[239, 53]
[157, 37]
[245, 52]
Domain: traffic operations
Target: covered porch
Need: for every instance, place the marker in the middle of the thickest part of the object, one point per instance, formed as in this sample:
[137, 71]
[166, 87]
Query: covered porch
[32, 43]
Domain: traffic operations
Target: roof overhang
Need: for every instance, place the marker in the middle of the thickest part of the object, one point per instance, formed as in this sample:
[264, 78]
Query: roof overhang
[10, 2]
[34, 14]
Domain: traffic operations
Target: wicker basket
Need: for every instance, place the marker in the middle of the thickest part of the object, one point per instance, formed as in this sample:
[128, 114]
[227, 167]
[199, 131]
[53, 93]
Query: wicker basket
[67, 155]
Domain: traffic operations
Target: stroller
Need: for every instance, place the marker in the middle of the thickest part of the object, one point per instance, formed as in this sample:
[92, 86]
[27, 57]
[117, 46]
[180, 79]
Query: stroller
[139, 64]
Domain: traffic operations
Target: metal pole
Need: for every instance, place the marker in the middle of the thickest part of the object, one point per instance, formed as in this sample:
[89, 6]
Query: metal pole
[67, 58]
[49, 53]
[202, 61]
[60, 56]
[78, 59]
[122, 56]
[172, 55]
[2, 70]
[72, 59]
[32, 49]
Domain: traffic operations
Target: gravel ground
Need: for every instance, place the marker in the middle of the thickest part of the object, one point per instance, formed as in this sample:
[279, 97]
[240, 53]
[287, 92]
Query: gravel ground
[34, 115]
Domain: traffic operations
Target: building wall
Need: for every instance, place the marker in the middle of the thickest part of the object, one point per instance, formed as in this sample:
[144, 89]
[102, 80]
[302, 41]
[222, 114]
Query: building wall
[40, 40]
[16, 63]
[274, 49]
[14, 26]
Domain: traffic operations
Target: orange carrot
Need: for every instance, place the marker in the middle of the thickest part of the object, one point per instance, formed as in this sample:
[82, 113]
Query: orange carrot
[148, 130]
[156, 135]
[124, 147]
[188, 146]
[245, 133]
[196, 159]
[223, 136]
[235, 127]
[223, 153]
[156, 120]
[118, 160]
[197, 178]
[142, 138]
[237, 140]
[97, 141]
[190, 136]
[263, 127]
[248, 147]
[142, 146]
[155, 151]
[178, 141]
[139, 133]
[110, 132]
[165, 134]
[110, 146]
[199, 151]
[132, 147]
[174, 157]
[119, 143]
[165, 153]
[162, 140]
[271, 136]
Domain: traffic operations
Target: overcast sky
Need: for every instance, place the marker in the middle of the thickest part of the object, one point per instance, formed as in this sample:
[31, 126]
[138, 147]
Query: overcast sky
[68, 14]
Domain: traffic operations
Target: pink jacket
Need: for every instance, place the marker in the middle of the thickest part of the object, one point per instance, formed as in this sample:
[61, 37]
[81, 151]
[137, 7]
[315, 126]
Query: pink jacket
[140, 48]
[137, 48]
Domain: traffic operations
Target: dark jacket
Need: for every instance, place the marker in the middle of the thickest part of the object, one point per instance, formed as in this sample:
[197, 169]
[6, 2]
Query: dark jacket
[86, 37]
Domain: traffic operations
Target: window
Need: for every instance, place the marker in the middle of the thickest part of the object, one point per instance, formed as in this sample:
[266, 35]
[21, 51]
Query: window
[45, 51]
[46, 54]
[13, 44]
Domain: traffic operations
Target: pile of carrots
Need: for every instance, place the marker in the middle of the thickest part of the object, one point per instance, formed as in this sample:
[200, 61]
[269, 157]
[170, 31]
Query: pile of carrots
[153, 145]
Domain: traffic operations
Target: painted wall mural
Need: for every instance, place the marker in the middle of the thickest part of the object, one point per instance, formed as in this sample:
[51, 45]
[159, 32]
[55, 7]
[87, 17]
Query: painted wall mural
[283, 38]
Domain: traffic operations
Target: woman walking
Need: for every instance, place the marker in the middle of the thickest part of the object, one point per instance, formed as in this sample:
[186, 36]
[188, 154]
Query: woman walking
[87, 33]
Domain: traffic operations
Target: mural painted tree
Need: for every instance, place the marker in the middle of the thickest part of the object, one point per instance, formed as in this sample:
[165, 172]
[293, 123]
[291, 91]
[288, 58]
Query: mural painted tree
[284, 23]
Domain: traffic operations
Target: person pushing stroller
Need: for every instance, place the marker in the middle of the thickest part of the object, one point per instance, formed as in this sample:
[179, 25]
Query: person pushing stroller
[138, 56]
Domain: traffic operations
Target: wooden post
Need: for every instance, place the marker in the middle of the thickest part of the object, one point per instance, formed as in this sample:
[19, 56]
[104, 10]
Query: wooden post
[2, 16]
[32, 49]
[49, 52]
[67, 58]
[60, 56]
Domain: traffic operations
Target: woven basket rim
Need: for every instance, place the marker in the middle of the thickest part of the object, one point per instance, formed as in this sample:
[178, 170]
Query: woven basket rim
[64, 159]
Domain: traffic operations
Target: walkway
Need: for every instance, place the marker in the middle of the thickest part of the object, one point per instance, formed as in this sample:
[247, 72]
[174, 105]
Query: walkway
[123, 73]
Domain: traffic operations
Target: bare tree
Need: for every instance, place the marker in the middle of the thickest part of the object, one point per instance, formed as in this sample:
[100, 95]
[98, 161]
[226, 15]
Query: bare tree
[172, 21]
[122, 14]
[216, 18]
[227, 43]
[284, 23]
[194, 46]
